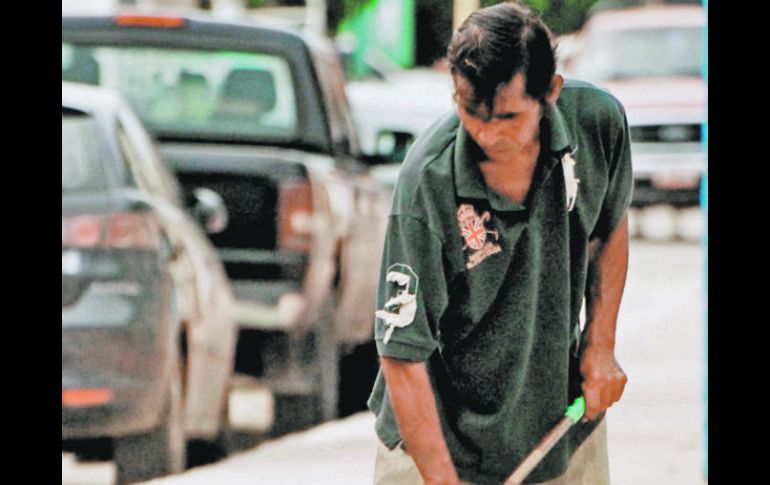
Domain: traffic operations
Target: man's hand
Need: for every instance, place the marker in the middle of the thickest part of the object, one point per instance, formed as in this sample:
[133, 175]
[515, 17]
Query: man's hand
[603, 380]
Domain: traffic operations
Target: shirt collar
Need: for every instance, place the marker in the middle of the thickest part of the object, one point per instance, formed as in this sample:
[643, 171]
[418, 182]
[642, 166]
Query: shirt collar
[469, 181]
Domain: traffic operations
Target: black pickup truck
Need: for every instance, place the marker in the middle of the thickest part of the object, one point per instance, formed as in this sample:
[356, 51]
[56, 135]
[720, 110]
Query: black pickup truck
[259, 115]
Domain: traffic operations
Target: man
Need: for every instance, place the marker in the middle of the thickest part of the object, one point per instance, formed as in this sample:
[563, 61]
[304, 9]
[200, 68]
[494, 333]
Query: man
[505, 216]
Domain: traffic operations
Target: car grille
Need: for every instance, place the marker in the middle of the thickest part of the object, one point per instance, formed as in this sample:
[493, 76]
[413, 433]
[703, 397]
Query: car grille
[248, 245]
[682, 133]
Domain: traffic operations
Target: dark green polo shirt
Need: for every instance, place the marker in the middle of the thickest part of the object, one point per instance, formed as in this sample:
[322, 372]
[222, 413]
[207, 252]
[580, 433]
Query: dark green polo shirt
[488, 292]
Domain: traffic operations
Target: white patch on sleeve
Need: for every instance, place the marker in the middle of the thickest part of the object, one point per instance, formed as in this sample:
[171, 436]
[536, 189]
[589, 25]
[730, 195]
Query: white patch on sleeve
[570, 181]
[401, 304]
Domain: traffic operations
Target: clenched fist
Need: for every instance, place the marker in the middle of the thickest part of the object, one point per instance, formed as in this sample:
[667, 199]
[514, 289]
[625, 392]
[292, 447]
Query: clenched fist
[603, 379]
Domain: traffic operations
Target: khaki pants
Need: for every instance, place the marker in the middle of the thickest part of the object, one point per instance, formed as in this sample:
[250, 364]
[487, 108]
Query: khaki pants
[588, 465]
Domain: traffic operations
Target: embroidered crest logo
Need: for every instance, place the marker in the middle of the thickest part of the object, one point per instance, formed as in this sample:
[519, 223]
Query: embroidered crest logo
[401, 293]
[474, 232]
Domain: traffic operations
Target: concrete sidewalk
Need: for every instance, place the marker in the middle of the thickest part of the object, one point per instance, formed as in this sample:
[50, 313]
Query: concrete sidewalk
[657, 432]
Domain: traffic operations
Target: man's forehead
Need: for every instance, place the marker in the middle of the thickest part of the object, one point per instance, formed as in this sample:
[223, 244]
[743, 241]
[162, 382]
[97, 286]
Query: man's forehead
[463, 88]
[512, 96]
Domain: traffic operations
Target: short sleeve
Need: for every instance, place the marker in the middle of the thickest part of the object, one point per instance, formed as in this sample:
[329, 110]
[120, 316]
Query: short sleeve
[620, 180]
[412, 293]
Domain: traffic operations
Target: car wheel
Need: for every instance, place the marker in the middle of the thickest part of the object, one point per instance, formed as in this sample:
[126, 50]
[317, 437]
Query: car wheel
[358, 370]
[161, 451]
[309, 390]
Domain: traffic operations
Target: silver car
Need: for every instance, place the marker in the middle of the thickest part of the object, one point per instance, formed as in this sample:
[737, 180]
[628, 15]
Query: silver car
[651, 58]
[147, 334]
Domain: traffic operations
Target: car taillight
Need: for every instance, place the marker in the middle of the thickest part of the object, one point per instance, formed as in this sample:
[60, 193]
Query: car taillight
[77, 398]
[81, 231]
[295, 212]
[149, 21]
[119, 231]
[132, 231]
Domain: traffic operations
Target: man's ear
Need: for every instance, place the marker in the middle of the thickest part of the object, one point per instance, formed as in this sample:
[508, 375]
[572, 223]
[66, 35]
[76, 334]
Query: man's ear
[557, 82]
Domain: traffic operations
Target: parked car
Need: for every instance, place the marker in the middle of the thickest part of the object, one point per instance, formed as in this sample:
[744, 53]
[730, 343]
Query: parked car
[259, 114]
[393, 109]
[148, 339]
[651, 58]
[566, 44]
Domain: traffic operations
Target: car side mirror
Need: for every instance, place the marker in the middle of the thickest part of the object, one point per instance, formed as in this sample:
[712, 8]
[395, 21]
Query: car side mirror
[391, 147]
[210, 210]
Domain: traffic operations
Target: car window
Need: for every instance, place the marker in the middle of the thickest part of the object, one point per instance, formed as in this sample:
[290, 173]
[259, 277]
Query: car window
[191, 93]
[332, 81]
[624, 54]
[81, 157]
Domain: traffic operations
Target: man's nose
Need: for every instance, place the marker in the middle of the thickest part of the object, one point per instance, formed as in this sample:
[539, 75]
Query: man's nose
[486, 133]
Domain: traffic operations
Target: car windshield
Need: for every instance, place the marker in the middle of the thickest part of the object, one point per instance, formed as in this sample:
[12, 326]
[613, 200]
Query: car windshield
[81, 169]
[210, 95]
[624, 54]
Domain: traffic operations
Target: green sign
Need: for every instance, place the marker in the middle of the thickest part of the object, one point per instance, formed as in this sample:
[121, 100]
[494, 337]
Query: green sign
[380, 33]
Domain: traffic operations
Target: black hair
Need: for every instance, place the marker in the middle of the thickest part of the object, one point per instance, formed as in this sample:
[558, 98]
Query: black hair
[496, 43]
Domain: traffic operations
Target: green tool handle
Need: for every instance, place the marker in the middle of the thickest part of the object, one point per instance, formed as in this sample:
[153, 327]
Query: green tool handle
[571, 416]
[576, 410]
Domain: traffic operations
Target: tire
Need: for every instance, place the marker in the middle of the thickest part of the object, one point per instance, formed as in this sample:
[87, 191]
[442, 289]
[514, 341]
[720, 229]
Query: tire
[358, 370]
[161, 451]
[207, 451]
[309, 392]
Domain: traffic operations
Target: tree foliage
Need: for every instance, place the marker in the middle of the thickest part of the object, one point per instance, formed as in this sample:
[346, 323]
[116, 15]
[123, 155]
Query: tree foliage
[561, 16]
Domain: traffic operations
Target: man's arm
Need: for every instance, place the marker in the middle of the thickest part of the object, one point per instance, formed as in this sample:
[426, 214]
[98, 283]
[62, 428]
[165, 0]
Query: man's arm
[604, 380]
[414, 406]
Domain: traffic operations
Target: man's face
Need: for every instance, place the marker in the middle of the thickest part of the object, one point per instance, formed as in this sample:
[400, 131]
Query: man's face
[513, 124]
